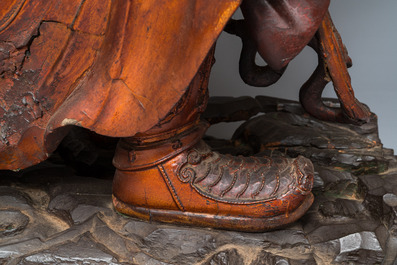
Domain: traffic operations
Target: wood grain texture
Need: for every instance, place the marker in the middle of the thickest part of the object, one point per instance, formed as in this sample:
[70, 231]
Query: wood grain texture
[114, 67]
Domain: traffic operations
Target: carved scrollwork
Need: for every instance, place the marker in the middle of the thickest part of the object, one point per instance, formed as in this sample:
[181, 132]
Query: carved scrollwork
[194, 157]
[187, 174]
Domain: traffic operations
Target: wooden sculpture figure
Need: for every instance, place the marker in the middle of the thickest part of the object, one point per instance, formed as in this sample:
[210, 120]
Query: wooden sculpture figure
[139, 70]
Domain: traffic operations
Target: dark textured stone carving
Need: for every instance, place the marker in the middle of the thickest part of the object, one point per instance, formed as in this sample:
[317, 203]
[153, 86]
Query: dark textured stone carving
[84, 251]
[60, 217]
[226, 257]
[362, 246]
[12, 222]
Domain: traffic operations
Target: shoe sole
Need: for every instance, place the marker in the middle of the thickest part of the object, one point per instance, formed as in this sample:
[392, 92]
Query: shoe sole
[237, 223]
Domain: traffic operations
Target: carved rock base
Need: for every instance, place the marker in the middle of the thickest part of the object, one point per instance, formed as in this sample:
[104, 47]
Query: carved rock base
[55, 213]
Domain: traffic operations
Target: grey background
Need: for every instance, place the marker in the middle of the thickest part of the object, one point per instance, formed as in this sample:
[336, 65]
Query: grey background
[369, 31]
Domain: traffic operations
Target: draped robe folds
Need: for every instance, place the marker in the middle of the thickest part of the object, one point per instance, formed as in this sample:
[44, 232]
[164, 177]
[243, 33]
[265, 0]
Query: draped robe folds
[116, 67]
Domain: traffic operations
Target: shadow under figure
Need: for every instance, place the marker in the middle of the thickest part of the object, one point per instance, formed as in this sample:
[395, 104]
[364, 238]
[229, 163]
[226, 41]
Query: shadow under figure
[139, 70]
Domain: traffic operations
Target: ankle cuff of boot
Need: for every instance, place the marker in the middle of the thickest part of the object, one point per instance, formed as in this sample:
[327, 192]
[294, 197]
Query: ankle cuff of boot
[146, 151]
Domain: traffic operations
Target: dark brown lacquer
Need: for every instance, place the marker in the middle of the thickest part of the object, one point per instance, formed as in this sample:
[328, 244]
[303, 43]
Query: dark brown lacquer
[333, 62]
[278, 31]
[139, 70]
[282, 28]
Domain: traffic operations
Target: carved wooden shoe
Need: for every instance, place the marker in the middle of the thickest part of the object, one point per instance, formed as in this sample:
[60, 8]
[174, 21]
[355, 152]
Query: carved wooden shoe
[180, 180]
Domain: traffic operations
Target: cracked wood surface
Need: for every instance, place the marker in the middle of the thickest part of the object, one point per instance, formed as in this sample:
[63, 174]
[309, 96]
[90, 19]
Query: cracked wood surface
[114, 67]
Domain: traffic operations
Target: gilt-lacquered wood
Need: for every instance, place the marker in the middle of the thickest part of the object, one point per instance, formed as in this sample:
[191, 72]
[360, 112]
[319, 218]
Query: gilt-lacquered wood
[115, 67]
[119, 67]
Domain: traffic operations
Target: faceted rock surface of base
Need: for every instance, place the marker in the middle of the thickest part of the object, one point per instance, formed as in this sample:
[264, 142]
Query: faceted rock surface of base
[60, 213]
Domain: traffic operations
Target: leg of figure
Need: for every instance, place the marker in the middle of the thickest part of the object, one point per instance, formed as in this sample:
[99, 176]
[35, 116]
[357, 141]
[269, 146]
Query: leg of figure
[169, 174]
